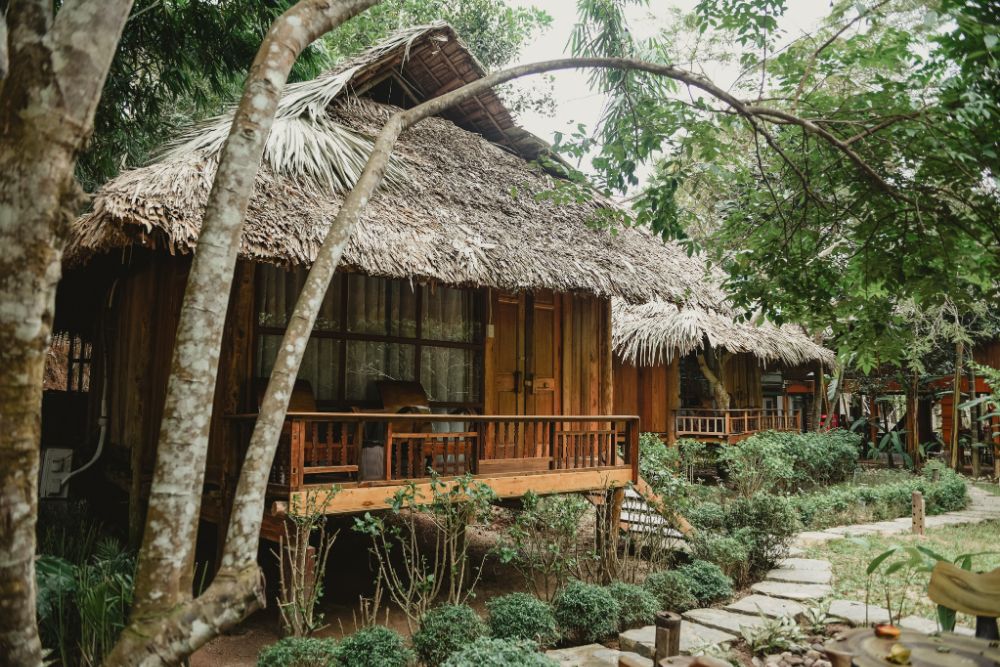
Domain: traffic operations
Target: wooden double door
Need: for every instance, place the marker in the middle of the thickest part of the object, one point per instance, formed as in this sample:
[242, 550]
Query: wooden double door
[526, 354]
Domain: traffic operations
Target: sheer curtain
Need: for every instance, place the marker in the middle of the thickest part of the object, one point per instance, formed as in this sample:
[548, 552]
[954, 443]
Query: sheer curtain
[379, 308]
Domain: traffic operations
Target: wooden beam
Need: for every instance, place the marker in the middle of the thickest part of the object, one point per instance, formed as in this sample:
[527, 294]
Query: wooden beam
[361, 499]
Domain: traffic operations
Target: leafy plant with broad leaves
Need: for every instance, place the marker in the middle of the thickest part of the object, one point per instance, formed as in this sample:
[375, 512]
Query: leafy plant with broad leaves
[773, 635]
[908, 561]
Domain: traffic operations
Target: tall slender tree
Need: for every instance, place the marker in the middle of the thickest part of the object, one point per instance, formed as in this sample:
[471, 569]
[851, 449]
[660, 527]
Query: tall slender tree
[52, 69]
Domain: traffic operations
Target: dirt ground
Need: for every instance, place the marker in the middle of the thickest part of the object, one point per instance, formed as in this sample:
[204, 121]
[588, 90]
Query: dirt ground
[350, 575]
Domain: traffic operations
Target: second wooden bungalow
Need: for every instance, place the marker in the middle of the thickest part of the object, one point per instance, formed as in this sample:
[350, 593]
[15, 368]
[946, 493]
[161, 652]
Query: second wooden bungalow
[696, 372]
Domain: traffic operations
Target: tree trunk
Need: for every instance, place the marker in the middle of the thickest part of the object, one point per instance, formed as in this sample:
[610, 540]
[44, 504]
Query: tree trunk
[820, 397]
[715, 382]
[57, 67]
[956, 416]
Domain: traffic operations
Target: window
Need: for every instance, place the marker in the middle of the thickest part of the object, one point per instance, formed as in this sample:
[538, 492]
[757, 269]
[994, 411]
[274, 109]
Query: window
[372, 329]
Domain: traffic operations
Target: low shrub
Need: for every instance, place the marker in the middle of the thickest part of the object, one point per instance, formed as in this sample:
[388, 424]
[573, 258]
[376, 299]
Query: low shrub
[374, 646]
[707, 516]
[757, 464]
[661, 466]
[729, 553]
[636, 605]
[672, 589]
[444, 630]
[766, 524]
[493, 652]
[886, 496]
[585, 612]
[299, 652]
[707, 582]
[522, 616]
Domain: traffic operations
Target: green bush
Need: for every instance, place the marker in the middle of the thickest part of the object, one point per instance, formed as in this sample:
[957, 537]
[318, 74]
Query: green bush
[585, 613]
[707, 581]
[707, 516]
[493, 652]
[766, 524]
[757, 464]
[659, 466]
[887, 496]
[672, 589]
[729, 553]
[445, 629]
[374, 646]
[299, 652]
[522, 616]
[636, 605]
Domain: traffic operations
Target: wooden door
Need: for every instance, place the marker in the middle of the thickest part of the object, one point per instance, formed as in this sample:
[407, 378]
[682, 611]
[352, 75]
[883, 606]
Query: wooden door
[508, 354]
[541, 391]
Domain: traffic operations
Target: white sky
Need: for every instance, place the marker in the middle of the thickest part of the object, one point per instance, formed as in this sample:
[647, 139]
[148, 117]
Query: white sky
[576, 103]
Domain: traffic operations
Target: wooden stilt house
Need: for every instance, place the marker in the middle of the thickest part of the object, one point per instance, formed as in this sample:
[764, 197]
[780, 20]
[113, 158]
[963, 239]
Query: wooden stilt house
[670, 360]
[467, 331]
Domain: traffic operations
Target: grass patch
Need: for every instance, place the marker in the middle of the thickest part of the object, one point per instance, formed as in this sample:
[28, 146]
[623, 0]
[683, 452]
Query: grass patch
[850, 558]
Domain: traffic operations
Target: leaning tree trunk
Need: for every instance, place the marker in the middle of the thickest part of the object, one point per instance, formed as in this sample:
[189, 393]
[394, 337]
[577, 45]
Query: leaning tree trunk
[166, 624]
[715, 381]
[55, 69]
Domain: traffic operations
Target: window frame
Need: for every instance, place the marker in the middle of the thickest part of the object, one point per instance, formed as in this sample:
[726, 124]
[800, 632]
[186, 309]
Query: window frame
[342, 336]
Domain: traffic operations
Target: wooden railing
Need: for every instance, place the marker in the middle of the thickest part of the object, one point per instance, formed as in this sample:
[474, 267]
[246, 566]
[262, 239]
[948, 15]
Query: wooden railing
[708, 423]
[317, 447]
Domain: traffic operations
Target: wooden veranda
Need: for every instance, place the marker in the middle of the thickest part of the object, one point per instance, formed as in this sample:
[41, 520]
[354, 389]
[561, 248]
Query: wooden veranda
[731, 426]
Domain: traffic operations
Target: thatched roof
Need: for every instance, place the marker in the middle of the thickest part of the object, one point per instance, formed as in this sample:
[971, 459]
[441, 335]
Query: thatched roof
[458, 205]
[653, 332]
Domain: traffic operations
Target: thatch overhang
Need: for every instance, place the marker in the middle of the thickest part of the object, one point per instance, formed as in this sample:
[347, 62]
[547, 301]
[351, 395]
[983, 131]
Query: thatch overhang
[652, 333]
[459, 204]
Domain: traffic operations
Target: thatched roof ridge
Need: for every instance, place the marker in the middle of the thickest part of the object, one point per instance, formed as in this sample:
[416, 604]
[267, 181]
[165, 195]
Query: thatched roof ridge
[651, 333]
[459, 207]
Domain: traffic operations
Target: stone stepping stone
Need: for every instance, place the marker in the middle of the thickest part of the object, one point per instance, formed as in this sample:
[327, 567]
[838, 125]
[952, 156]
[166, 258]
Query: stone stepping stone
[796, 576]
[805, 564]
[856, 613]
[695, 637]
[810, 537]
[720, 619]
[764, 604]
[787, 591]
[594, 655]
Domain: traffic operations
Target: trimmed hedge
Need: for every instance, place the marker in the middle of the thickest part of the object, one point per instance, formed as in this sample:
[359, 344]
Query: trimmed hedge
[493, 652]
[446, 629]
[374, 646]
[585, 612]
[636, 605]
[672, 589]
[707, 582]
[522, 616]
[299, 652]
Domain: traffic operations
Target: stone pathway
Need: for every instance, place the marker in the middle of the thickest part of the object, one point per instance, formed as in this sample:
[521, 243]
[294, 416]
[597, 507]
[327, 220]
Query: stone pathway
[788, 590]
[984, 506]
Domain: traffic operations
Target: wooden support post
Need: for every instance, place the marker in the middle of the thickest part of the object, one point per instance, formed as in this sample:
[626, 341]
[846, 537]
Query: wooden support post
[668, 635]
[918, 513]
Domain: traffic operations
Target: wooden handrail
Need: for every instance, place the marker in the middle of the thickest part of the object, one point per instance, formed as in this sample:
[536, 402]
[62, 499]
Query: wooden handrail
[325, 443]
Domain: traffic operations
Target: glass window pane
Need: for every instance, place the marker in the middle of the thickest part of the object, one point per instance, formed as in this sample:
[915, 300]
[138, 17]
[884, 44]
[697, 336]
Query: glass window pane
[277, 290]
[381, 306]
[369, 361]
[451, 374]
[320, 364]
[450, 314]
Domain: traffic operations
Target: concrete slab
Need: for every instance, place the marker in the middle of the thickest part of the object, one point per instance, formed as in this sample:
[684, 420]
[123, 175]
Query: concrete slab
[695, 637]
[794, 576]
[817, 564]
[594, 655]
[856, 613]
[809, 537]
[791, 591]
[720, 619]
[764, 604]
[640, 640]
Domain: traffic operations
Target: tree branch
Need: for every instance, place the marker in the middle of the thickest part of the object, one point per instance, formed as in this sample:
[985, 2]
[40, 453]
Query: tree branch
[4, 58]
[822, 47]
